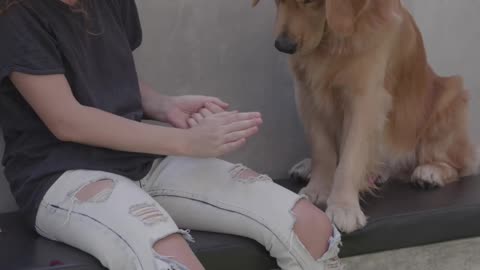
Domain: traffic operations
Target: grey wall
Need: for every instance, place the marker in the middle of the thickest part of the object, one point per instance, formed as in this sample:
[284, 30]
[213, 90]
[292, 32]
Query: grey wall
[224, 48]
[452, 36]
[6, 200]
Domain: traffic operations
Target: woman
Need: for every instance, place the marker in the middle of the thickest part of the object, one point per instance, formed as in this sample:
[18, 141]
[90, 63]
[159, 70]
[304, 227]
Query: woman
[87, 172]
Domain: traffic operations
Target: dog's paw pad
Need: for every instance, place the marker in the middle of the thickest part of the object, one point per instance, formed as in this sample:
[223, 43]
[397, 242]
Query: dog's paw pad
[347, 218]
[427, 177]
[302, 170]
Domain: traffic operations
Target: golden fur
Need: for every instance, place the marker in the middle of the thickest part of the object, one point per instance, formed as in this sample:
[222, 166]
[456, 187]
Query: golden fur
[370, 103]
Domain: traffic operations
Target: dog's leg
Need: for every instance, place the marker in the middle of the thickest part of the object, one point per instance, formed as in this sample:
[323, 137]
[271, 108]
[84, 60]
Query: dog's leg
[364, 122]
[302, 170]
[444, 158]
[320, 169]
[305, 108]
[323, 165]
[446, 152]
[433, 175]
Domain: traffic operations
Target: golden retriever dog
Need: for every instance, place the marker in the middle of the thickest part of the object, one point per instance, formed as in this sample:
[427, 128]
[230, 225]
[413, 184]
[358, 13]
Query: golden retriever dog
[371, 105]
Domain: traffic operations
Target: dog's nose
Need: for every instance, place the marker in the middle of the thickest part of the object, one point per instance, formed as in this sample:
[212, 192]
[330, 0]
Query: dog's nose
[285, 44]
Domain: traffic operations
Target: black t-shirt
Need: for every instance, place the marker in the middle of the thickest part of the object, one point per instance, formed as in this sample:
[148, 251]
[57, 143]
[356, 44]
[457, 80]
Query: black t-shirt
[94, 51]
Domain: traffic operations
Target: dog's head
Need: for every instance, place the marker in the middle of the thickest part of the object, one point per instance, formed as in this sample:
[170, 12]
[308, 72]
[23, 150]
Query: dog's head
[301, 25]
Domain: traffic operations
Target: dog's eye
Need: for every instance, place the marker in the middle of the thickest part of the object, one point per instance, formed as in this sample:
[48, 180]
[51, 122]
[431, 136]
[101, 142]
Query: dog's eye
[307, 2]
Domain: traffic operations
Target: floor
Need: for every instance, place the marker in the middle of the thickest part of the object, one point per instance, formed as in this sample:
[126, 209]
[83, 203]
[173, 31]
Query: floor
[455, 255]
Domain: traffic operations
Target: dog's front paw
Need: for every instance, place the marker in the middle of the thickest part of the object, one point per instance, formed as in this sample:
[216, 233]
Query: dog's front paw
[316, 195]
[428, 177]
[302, 170]
[347, 217]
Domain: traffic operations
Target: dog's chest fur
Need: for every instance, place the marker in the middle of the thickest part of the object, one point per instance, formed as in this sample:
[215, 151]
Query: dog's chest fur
[323, 100]
[312, 78]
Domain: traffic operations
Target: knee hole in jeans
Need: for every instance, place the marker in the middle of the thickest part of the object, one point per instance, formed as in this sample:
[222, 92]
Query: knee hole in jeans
[167, 249]
[312, 227]
[96, 192]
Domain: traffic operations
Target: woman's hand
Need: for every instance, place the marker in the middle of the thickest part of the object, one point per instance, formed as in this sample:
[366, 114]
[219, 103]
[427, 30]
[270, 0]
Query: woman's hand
[178, 110]
[207, 111]
[52, 99]
[221, 133]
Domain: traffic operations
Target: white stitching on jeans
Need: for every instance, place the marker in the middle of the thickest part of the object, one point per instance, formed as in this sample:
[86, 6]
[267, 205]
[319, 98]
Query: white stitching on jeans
[73, 200]
[104, 225]
[258, 219]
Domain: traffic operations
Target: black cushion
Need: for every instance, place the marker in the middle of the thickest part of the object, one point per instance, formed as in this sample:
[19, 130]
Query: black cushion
[21, 248]
[400, 216]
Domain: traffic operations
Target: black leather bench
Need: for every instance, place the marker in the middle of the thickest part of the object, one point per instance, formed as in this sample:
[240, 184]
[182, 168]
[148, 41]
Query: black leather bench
[400, 216]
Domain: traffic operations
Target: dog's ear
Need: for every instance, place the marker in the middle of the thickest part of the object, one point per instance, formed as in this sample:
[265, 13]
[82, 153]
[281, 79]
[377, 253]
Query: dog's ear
[255, 3]
[341, 16]
[386, 9]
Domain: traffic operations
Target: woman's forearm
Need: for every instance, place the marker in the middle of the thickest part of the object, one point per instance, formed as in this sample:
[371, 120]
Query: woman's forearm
[98, 128]
[154, 104]
[53, 101]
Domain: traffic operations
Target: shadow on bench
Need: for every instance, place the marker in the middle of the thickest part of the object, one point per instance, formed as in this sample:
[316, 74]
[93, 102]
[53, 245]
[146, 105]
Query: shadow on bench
[399, 217]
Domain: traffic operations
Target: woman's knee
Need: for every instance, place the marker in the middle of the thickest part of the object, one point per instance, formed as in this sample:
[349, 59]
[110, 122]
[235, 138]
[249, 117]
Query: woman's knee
[312, 227]
[175, 251]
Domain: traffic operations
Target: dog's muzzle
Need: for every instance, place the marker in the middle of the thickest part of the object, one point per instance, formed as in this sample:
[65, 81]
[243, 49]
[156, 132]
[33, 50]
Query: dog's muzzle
[285, 44]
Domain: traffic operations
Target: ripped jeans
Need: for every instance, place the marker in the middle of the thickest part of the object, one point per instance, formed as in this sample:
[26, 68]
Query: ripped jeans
[120, 225]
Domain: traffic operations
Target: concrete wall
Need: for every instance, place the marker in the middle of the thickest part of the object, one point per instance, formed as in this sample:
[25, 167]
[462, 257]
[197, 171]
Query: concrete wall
[224, 48]
[452, 37]
[7, 203]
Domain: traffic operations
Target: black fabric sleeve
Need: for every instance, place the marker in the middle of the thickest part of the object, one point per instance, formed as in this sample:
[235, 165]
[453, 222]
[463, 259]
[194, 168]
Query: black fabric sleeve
[26, 46]
[127, 12]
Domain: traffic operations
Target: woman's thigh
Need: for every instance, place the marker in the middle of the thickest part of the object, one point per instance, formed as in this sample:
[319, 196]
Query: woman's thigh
[217, 196]
[186, 187]
[118, 223]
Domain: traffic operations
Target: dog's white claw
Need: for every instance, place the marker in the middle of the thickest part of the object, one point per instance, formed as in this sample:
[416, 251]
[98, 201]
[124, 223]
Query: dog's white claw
[426, 176]
[347, 218]
[302, 170]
